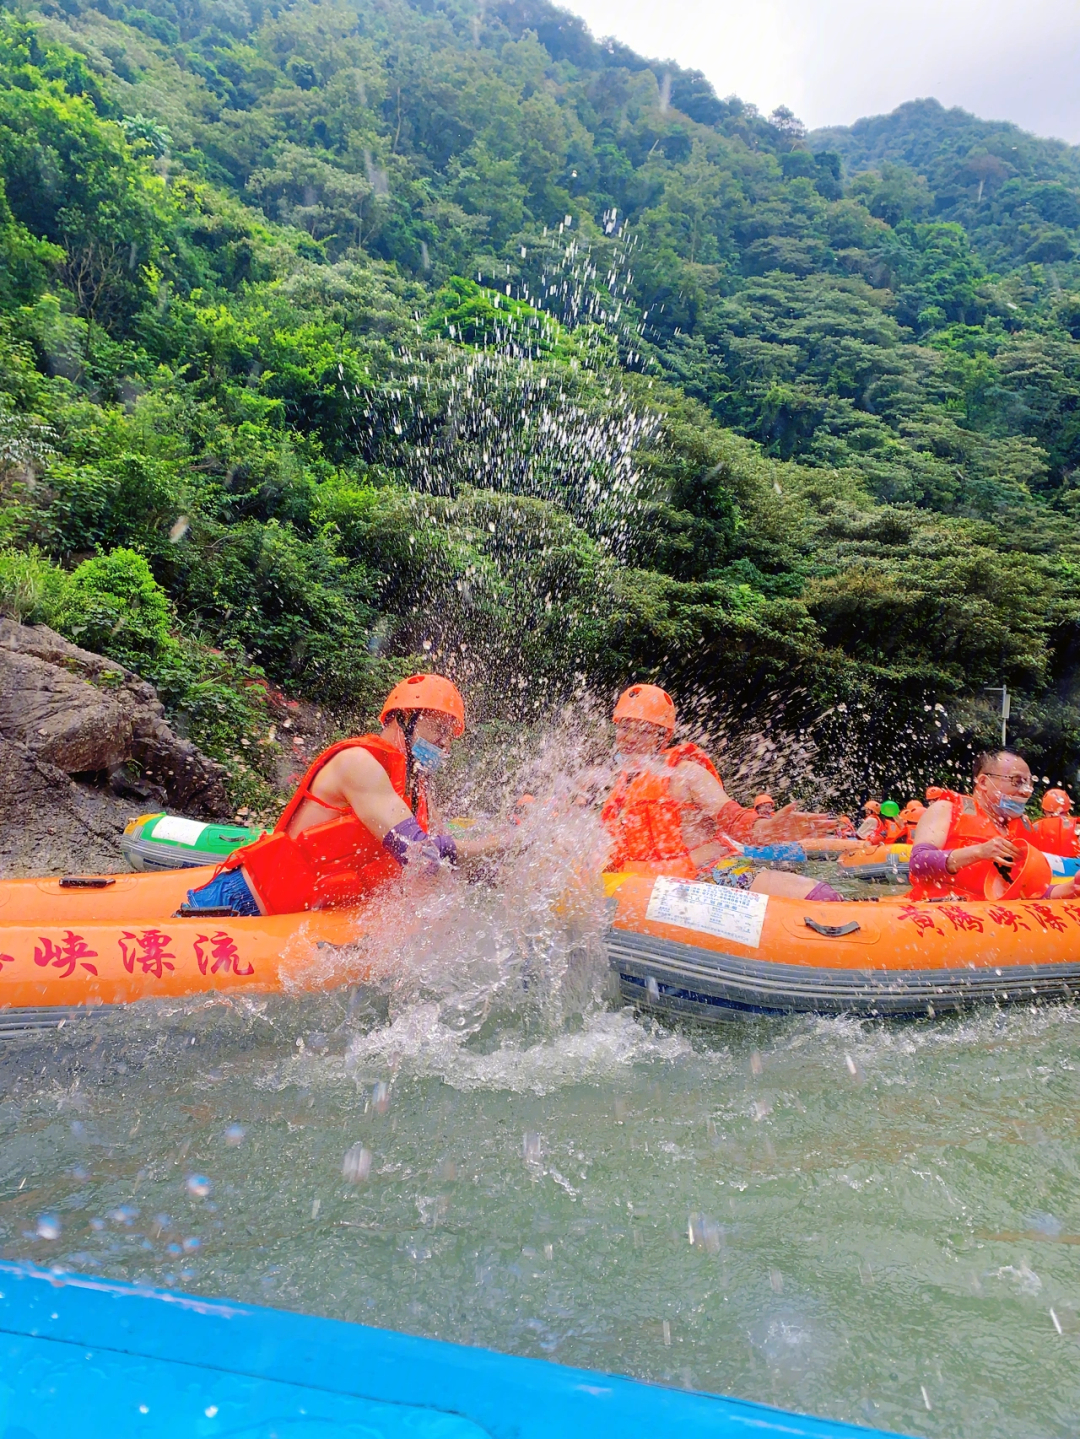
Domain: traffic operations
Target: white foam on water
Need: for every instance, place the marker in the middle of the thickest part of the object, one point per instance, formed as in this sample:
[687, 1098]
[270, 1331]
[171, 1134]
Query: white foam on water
[419, 1044]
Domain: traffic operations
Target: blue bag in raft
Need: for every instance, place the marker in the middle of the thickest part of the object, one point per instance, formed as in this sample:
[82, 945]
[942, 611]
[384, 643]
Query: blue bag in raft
[776, 853]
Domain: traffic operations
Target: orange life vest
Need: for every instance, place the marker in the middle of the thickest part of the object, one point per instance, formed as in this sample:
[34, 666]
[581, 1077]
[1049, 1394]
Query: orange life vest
[891, 831]
[645, 821]
[330, 864]
[971, 825]
[1057, 834]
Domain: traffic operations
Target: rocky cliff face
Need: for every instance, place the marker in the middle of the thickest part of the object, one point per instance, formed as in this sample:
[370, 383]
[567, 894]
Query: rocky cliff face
[84, 745]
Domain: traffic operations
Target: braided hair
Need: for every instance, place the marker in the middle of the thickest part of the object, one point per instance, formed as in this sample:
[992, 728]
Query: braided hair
[407, 720]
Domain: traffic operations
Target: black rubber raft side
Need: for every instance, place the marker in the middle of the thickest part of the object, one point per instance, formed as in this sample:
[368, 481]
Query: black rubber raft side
[681, 979]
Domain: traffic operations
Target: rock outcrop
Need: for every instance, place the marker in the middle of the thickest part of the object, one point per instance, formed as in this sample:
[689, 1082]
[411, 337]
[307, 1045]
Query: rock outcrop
[81, 737]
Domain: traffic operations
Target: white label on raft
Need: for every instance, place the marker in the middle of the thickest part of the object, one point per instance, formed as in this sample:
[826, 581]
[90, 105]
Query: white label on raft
[733, 914]
[1057, 863]
[180, 831]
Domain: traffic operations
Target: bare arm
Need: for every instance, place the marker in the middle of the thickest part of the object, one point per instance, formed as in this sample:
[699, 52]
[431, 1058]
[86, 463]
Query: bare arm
[702, 790]
[357, 779]
[793, 823]
[709, 795]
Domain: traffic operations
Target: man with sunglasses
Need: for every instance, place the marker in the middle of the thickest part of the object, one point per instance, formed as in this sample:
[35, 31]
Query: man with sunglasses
[978, 845]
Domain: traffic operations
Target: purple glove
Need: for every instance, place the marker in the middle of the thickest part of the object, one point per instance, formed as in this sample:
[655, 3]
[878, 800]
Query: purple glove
[410, 845]
[929, 865]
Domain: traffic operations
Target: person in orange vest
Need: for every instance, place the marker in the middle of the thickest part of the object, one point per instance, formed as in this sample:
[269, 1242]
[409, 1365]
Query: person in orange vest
[358, 818]
[912, 812]
[668, 812]
[963, 842]
[764, 806]
[1056, 832]
[890, 829]
[870, 825]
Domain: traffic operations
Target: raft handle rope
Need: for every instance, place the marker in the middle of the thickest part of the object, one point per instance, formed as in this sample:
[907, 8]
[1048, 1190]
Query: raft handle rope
[86, 881]
[832, 931]
[211, 911]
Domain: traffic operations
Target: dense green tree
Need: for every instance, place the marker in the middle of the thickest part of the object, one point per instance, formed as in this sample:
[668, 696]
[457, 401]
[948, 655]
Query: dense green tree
[334, 333]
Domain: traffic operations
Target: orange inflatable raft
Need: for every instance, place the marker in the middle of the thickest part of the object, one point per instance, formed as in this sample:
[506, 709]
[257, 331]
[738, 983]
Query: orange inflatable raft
[686, 948]
[877, 861]
[109, 940]
[829, 846]
[676, 945]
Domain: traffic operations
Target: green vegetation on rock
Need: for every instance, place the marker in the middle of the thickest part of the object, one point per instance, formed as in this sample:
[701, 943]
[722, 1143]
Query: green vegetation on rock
[337, 335]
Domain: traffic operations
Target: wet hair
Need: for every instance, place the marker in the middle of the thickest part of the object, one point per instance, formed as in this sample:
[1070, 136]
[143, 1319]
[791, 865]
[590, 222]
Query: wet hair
[408, 720]
[990, 757]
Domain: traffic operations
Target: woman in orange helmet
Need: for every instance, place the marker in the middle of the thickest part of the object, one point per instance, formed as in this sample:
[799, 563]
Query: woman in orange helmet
[669, 813]
[1056, 832]
[358, 818]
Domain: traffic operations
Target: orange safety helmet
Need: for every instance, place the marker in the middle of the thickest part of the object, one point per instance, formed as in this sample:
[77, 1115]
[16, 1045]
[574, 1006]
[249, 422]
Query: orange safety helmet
[913, 810]
[427, 692]
[1056, 801]
[763, 799]
[872, 806]
[648, 703]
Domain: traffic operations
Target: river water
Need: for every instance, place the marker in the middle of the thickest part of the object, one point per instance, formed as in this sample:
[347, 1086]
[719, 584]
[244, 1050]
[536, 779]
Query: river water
[873, 1222]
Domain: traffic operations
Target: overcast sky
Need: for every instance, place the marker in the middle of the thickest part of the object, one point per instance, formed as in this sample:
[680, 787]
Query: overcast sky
[832, 61]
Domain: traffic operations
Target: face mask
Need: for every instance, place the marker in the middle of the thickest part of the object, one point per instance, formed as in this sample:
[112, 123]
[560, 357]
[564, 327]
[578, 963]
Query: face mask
[1011, 806]
[426, 756]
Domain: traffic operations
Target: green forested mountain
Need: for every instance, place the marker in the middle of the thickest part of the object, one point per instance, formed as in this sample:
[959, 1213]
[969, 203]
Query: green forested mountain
[334, 334]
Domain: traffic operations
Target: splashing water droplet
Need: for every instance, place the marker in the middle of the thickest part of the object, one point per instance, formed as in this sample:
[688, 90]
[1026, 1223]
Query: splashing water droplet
[48, 1227]
[704, 1233]
[356, 1165]
[198, 1185]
